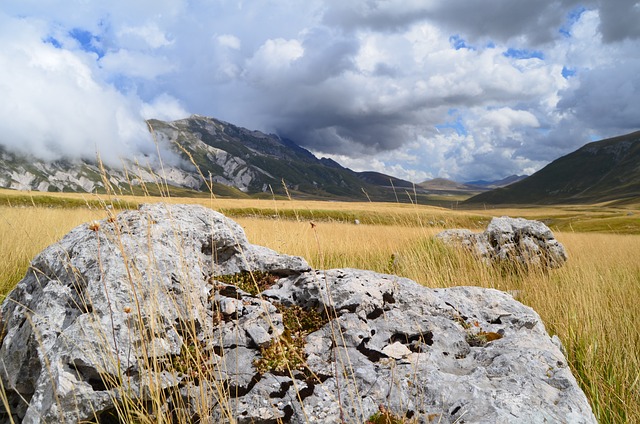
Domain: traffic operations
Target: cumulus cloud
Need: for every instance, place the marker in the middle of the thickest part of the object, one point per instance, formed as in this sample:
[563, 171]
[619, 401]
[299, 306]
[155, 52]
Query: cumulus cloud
[230, 41]
[437, 88]
[147, 35]
[135, 64]
[54, 107]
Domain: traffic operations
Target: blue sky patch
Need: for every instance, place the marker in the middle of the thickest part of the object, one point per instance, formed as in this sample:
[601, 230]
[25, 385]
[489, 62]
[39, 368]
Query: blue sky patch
[55, 43]
[523, 54]
[458, 42]
[572, 18]
[87, 40]
[455, 125]
[568, 72]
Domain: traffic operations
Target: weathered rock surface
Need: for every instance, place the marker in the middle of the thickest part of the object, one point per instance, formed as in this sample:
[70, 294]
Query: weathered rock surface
[139, 309]
[514, 239]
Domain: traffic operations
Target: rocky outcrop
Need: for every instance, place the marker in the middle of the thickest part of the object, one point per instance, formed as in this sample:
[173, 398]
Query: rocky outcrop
[155, 312]
[526, 242]
[27, 173]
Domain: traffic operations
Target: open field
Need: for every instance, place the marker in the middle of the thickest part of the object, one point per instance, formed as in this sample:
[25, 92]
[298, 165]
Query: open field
[590, 303]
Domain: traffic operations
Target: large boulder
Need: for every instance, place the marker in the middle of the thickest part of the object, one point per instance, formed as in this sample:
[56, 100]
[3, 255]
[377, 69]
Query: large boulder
[523, 241]
[169, 311]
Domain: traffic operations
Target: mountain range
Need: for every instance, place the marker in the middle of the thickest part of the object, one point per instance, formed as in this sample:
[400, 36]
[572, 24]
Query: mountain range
[497, 183]
[601, 171]
[443, 185]
[203, 155]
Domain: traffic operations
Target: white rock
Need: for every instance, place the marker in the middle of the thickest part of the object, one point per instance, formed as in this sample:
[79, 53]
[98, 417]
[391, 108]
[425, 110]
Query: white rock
[396, 351]
[511, 239]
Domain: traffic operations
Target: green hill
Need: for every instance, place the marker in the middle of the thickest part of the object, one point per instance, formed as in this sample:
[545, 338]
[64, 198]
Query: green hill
[606, 170]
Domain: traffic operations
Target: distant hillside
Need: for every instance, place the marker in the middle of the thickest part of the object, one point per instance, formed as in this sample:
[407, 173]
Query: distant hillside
[497, 183]
[444, 185]
[383, 180]
[600, 171]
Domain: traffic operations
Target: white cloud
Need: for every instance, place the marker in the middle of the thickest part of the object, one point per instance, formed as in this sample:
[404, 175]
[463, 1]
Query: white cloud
[275, 56]
[165, 108]
[136, 64]
[230, 41]
[52, 104]
[147, 35]
[502, 121]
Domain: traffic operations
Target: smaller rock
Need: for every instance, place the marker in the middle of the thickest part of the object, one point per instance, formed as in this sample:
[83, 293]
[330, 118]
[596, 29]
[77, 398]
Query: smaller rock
[258, 335]
[229, 306]
[527, 242]
[396, 351]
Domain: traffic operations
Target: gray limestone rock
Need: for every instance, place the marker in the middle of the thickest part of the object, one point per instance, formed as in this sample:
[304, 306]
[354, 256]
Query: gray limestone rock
[511, 239]
[134, 309]
[112, 298]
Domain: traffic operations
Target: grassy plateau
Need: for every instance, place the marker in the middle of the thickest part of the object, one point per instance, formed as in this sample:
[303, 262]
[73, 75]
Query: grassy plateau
[590, 303]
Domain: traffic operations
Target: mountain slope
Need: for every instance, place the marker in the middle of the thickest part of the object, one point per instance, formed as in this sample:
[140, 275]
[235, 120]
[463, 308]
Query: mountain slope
[383, 180]
[600, 171]
[256, 162]
[20, 172]
[444, 185]
[497, 183]
[203, 154]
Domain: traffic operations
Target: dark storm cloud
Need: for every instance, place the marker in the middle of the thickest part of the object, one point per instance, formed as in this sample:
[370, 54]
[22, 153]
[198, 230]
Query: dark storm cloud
[377, 15]
[502, 20]
[607, 98]
[498, 20]
[620, 19]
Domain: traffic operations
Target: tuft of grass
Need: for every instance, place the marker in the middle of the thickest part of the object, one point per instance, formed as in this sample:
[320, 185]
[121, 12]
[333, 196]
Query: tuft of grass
[26, 230]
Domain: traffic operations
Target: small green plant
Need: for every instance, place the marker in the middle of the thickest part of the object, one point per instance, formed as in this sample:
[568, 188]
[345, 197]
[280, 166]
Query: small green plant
[458, 318]
[385, 416]
[190, 361]
[286, 353]
[481, 338]
[251, 282]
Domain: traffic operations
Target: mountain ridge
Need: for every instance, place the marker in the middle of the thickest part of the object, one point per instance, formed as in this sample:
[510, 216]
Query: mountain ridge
[497, 183]
[207, 154]
[600, 171]
[443, 184]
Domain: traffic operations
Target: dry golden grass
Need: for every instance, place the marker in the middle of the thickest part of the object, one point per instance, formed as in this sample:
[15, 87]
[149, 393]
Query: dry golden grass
[590, 303]
[26, 231]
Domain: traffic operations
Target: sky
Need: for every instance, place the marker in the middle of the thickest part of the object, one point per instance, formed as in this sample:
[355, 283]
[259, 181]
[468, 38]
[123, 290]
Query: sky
[419, 89]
